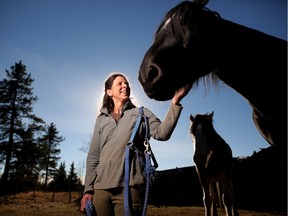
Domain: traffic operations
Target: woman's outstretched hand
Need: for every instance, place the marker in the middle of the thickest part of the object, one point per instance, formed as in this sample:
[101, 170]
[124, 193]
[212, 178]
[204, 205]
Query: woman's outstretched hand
[180, 94]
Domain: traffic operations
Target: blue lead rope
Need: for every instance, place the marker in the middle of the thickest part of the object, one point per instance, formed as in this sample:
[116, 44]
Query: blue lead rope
[126, 181]
[149, 169]
[89, 209]
[127, 163]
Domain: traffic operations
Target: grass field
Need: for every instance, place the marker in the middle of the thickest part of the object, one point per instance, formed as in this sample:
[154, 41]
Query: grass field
[24, 204]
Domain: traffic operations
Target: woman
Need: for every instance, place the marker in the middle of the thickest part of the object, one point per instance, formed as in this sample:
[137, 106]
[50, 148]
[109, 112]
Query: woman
[104, 180]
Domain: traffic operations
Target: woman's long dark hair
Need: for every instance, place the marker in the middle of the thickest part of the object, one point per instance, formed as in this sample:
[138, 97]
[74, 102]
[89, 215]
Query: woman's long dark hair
[107, 100]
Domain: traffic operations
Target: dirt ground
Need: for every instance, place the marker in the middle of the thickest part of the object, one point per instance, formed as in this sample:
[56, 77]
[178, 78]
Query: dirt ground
[41, 205]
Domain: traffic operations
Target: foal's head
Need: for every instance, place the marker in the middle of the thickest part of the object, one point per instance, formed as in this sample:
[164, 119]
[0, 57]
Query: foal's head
[202, 123]
[201, 129]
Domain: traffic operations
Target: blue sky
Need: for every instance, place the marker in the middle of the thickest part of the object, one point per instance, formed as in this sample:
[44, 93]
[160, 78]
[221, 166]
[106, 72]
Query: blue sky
[71, 46]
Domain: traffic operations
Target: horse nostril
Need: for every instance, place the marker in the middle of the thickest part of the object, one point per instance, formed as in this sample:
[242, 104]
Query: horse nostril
[154, 73]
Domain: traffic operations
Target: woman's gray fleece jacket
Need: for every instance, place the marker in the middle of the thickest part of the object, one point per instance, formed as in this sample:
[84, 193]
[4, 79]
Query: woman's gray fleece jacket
[106, 156]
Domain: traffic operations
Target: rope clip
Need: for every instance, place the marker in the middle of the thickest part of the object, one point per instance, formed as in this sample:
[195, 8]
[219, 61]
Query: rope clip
[130, 144]
[146, 144]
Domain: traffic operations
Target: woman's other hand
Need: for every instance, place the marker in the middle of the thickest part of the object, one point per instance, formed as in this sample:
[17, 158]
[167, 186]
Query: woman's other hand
[83, 201]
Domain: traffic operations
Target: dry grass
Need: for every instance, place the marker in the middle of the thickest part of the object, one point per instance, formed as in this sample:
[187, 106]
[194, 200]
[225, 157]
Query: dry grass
[24, 204]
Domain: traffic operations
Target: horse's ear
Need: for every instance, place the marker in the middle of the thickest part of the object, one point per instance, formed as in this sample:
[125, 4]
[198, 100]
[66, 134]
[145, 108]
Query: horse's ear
[202, 2]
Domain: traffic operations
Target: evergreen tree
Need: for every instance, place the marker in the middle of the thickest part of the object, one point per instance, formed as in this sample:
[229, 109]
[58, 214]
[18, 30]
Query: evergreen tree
[50, 151]
[26, 168]
[16, 114]
[73, 179]
[59, 182]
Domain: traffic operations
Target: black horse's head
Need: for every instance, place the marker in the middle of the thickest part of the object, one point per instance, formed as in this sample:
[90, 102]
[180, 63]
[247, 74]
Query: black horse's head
[177, 57]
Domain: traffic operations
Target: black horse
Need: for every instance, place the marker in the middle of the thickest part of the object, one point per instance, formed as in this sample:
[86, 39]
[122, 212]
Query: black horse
[193, 42]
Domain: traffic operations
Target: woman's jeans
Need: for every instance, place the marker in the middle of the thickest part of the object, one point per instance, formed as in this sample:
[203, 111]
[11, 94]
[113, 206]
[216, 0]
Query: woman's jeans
[110, 202]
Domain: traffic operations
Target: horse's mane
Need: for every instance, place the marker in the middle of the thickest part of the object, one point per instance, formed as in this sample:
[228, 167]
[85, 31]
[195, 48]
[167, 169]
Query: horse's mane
[185, 13]
[210, 80]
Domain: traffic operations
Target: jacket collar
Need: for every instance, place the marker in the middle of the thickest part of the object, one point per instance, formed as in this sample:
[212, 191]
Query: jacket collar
[128, 105]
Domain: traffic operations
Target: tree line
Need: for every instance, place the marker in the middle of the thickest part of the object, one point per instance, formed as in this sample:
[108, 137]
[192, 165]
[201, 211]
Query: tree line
[29, 147]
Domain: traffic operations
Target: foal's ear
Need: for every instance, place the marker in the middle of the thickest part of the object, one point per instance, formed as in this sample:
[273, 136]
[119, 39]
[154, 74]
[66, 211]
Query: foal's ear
[210, 116]
[192, 118]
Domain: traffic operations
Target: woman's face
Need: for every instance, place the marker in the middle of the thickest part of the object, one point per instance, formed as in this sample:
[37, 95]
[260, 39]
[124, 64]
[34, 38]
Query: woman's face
[120, 90]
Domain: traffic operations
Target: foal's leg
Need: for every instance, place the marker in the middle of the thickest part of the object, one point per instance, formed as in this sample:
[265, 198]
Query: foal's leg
[216, 199]
[207, 198]
[235, 212]
[228, 197]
